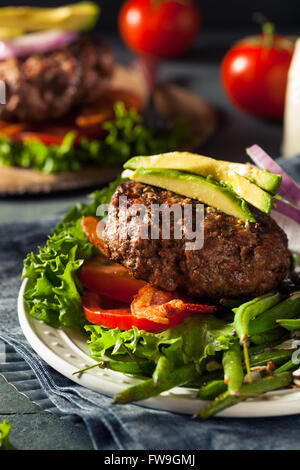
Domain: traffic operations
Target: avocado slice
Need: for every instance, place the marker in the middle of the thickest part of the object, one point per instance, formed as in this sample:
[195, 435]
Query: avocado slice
[8, 33]
[76, 17]
[206, 166]
[263, 178]
[194, 187]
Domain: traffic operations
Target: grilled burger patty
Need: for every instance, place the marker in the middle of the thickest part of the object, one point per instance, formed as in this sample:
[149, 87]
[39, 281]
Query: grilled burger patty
[238, 259]
[43, 87]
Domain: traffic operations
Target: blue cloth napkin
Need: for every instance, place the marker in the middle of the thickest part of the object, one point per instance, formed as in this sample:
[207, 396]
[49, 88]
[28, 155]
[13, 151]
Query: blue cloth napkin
[291, 166]
[115, 427]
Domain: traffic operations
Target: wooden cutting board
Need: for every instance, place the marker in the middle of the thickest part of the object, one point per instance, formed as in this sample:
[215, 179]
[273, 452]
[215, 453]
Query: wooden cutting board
[171, 101]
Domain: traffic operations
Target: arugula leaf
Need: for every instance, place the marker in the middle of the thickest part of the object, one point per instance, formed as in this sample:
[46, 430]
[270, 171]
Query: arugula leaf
[126, 136]
[5, 428]
[54, 289]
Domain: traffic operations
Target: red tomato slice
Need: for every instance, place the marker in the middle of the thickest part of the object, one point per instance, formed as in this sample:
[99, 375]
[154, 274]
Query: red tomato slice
[55, 136]
[47, 139]
[88, 122]
[154, 317]
[111, 280]
[92, 227]
[10, 130]
[103, 110]
[114, 318]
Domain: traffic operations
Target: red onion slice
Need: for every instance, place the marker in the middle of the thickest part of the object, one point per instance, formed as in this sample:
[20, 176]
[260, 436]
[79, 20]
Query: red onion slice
[35, 43]
[287, 210]
[288, 188]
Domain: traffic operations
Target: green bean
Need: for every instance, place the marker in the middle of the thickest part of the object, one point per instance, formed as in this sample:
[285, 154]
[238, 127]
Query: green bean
[204, 379]
[277, 356]
[225, 400]
[212, 390]
[259, 348]
[162, 370]
[231, 303]
[290, 325]
[289, 365]
[148, 388]
[233, 368]
[269, 336]
[250, 310]
[288, 308]
[247, 312]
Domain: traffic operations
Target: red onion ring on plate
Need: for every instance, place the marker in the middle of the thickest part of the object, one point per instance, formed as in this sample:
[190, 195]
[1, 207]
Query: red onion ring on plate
[286, 209]
[288, 188]
[36, 43]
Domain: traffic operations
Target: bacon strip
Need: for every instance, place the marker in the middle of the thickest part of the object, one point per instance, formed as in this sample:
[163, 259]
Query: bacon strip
[164, 307]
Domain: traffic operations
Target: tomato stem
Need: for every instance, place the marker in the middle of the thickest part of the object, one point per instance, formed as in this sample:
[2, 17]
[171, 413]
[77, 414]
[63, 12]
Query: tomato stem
[157, 3]
[268, 28]
[269, 33]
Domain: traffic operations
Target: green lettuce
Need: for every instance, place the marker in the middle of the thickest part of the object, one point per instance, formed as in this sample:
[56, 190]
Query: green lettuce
[125, 136]
[196, 339]
[54, 291]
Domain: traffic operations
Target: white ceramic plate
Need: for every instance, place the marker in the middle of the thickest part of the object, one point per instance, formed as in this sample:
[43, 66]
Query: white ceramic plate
[66, 351]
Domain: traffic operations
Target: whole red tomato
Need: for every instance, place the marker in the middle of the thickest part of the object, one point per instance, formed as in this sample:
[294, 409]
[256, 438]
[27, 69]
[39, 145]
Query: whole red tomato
[161, 28]
[254, 74]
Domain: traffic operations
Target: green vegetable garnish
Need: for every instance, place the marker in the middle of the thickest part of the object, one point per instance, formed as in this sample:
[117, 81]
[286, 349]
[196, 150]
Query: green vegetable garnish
[54, 290]
[247, 312]
[256, 388]
[233, 369]
[126, 136]
[181, 355]
[5, 428]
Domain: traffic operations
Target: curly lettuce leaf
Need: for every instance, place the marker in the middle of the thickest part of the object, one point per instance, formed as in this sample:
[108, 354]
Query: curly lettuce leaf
[53, 293]
[125, 136]
[196, 338]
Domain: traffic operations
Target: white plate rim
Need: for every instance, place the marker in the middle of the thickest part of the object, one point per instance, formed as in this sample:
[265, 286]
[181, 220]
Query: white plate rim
[279, 403]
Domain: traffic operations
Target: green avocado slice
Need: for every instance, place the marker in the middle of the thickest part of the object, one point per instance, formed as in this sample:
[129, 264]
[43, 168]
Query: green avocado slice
[263, 178]
[75, 17]
[206, 166]
[194, 187]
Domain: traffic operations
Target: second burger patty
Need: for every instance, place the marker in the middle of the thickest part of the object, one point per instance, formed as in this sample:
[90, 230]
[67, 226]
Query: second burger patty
[238, 259]
[43, 87]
